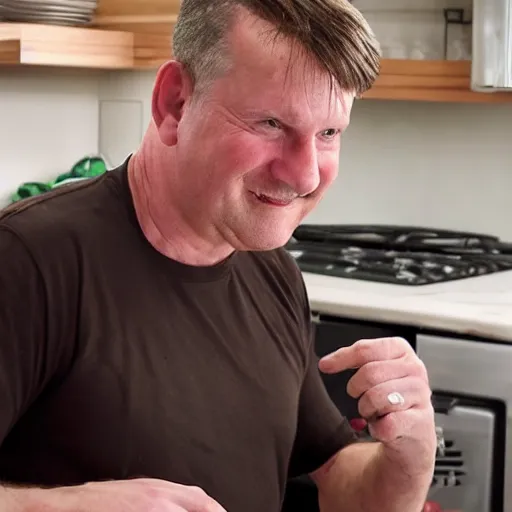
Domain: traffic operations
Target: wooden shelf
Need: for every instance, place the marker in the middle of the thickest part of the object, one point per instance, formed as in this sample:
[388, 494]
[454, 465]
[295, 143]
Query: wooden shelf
[128, 42]
[151, 21]
[424, 80]
[94, 48]
[49, 45]
[150, 51]
[141, 16]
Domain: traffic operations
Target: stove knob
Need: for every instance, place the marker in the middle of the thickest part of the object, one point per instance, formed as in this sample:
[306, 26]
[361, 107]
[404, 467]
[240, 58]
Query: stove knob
[437, 483]
[451, 479]
[441, 445]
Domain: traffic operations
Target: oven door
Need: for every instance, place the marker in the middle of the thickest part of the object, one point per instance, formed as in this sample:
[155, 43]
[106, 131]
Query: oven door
[463, 476]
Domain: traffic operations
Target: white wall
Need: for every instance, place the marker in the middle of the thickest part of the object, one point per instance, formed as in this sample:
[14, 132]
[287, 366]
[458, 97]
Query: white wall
[441, 165]
[125, 112]
[48, 121]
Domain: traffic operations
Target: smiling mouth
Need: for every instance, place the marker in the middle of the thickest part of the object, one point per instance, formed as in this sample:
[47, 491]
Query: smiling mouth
[273, 201]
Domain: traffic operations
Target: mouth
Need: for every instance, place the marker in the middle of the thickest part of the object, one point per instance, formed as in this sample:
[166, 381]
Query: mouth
[273, 201]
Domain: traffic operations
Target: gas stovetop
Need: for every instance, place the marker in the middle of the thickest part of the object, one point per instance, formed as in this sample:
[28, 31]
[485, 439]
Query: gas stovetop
[397, 254]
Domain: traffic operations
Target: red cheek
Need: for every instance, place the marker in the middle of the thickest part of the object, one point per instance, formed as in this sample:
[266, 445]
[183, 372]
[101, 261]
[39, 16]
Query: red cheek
[249, 152]
[329, 166]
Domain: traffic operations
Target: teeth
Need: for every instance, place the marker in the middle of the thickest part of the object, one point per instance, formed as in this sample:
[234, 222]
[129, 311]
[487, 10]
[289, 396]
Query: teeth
[275, 199]
[272, 199]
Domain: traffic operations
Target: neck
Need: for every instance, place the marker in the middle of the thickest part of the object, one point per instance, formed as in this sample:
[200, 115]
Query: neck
[163, 219]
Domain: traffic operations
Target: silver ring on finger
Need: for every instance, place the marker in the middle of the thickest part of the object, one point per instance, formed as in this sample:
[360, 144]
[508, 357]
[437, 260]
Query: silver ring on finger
[396, 398]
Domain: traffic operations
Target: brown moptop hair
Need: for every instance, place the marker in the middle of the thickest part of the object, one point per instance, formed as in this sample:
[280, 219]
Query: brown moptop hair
[332, 32]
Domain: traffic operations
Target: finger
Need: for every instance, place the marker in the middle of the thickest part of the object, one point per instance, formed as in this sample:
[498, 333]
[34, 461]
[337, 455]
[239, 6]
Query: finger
[363, 352]
[378, 372]
[378, 401]
[403, 426]
[392, 427]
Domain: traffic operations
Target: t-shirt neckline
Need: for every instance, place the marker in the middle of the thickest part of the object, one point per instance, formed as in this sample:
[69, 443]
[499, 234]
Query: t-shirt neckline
[180, 270]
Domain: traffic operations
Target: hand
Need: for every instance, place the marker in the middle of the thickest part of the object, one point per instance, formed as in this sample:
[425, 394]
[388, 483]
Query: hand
[143, 495]
[388, 366]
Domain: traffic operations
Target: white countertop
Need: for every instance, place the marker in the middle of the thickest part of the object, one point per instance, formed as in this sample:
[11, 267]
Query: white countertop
[478, 306]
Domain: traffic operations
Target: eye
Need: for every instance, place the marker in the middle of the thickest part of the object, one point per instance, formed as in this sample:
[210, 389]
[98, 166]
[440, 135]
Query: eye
[272, 123]
[330, 133]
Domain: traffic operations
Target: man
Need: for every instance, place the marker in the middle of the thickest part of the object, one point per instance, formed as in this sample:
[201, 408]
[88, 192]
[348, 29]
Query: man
[155, 348]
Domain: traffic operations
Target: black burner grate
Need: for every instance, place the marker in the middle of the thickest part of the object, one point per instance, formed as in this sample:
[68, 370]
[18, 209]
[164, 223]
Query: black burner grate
[405, 255]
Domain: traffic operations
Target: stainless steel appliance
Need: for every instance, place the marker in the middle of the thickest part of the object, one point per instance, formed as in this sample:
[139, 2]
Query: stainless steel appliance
[397, 254]
[477, 426]
[463, 477]
[491, 65]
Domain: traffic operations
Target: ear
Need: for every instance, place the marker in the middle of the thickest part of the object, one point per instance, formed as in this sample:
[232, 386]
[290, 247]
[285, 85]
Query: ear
[173, 87]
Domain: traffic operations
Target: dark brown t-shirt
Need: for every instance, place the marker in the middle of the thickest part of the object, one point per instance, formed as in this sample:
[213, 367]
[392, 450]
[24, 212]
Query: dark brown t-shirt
[117, 362]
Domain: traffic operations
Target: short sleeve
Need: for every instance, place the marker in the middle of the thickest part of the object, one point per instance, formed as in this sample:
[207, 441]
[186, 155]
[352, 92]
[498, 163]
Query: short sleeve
[321, 430]
[24, 366]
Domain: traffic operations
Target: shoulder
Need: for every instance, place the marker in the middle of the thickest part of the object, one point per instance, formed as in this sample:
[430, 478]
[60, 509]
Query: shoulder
[55, 221]
[17, 260]
[64, 205]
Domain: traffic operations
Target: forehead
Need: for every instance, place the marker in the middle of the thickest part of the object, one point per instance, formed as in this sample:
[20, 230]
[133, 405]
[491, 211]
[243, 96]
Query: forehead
[266, 68]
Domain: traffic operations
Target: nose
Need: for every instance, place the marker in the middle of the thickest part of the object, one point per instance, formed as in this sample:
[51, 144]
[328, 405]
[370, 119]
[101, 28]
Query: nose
[298, 167]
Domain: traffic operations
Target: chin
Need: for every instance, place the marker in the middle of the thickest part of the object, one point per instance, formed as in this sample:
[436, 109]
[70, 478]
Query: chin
[266, 240]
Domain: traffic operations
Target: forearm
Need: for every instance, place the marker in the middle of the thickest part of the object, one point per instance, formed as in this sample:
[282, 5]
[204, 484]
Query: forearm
[15, 499]
[31, 499]
[363, 478]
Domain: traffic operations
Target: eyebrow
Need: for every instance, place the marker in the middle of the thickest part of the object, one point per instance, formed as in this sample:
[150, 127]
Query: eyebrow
[289, 119]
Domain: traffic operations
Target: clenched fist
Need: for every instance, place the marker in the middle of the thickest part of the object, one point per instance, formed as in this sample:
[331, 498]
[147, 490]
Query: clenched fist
[143, 495]
[394, 395]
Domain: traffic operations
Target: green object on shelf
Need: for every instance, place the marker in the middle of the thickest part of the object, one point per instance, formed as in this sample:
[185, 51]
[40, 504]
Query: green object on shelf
[88, 167]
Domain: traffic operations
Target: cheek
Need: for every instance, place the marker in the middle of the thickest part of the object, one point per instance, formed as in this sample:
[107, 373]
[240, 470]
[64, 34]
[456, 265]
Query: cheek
[244, 153]
[328, 168]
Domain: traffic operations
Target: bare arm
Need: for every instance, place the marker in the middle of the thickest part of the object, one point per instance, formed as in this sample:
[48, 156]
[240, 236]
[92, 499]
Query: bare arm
[9, 500]
[361, 477]
[18, 499]
[35, 499]
[112, 496]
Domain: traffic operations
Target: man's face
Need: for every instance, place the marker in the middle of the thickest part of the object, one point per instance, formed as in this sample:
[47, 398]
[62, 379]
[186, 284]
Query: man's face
[260, 148]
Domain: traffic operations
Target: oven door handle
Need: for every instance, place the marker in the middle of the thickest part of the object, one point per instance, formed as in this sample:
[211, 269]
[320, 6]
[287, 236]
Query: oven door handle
[443, 404]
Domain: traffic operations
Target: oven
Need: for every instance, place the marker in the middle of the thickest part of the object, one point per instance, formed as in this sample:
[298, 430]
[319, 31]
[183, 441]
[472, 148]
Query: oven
[472, 397]
[472, 378]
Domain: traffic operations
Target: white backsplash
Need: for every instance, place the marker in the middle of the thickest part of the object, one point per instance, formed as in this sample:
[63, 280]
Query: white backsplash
[434, 164]
[48, 120]
[125, 111]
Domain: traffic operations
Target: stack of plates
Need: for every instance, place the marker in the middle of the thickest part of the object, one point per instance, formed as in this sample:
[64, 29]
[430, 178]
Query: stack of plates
[51, 12]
